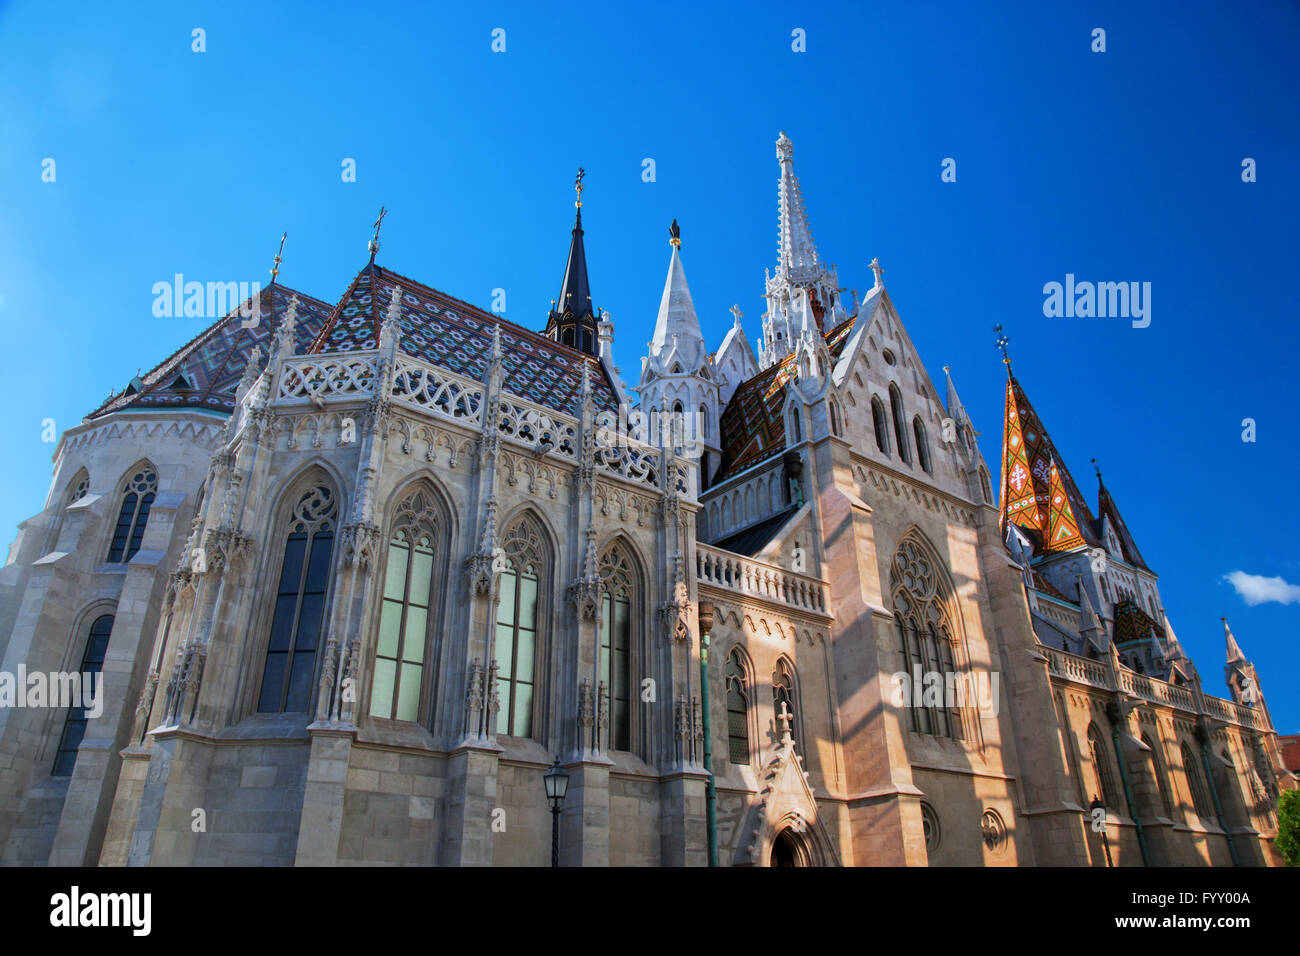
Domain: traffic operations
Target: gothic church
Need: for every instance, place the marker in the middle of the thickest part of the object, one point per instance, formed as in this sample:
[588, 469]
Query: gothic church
[354, 574]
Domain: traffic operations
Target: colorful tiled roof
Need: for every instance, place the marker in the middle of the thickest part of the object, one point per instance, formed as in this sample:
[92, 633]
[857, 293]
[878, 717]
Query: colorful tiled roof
[753, 427]
[1134, 624]
[1038, 493]
[204, 372]
[457, 336]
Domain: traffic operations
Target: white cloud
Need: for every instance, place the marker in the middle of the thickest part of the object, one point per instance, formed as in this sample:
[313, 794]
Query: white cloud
[1257, 589]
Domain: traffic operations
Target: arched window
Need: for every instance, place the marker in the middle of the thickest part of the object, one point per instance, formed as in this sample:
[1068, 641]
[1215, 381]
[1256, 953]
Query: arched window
[880, 425]
[133, 515]
[785, 699]
[74, 727]
[618, 600]
[566, 337]
[517, 626]
[922, 620]
[922, 444]
[299, 603]
[900, 429]
[836, 429]
[406, 610]
[704, 422]
[1196, 782]
[1101, 768]
[1158, 768]
[737, 709]
[796, 427]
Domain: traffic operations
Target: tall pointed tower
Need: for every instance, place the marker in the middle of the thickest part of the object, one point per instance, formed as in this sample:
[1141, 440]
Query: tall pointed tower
[1240, 674]
[801, 281]
[676, 375]
[572, 319]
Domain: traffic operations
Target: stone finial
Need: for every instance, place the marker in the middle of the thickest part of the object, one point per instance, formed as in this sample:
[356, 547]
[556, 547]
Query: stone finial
[878, 270]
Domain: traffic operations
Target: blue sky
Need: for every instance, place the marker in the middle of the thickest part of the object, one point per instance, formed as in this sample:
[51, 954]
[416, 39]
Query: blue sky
[1123, 165]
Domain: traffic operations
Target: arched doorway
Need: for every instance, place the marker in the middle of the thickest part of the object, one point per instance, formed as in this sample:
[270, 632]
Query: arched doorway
[785, 851]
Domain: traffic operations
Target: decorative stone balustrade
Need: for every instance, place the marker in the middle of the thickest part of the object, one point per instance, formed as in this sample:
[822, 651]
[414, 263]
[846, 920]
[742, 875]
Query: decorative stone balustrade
[746, 576]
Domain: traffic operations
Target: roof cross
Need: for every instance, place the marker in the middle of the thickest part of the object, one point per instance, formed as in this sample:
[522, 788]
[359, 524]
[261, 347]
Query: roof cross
[1002, 342]
[374, 242]
[785, 718]
[735, 311]
[877, 269]
[275, 269]
[577, 185]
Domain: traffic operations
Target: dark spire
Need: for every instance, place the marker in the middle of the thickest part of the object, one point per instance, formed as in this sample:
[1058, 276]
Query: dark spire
[572, 320]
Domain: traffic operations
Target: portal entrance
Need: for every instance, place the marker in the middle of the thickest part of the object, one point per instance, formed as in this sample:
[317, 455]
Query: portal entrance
[784, 850]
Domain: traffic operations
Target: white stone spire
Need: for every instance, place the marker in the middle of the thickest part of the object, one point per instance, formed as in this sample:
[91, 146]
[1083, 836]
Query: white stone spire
[677, 336]
[800, 274]
[796, 254]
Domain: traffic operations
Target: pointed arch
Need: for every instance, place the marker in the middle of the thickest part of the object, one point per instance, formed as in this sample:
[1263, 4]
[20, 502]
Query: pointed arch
[879, 423]
[1196, 783]
[922, 445]
[738, 680]
[785, 691]
[623, 596]
[138, 489]
[900, 429]
[523, 620]
[414, 575]
[1101, 768]
[928, 626]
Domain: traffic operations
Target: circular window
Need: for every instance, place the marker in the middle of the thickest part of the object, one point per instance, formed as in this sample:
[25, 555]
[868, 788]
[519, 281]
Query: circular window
[994, 831]
[889, 357]
[930, 825]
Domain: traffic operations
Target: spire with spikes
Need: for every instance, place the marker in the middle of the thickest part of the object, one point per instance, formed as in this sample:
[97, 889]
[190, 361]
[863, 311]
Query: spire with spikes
[956, 410]
[677, 336]
[1243, 682]
[572, 320]
[373, 245]
[798, 268]
[1038, 493]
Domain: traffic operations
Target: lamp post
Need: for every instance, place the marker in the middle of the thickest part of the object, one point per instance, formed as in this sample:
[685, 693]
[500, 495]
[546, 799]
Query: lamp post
[556, 780]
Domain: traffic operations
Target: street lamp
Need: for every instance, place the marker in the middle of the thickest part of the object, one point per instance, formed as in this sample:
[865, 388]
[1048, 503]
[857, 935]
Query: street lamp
[556, 780]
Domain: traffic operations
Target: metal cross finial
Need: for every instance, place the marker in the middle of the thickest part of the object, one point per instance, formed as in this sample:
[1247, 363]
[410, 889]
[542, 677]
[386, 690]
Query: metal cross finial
[577, 184]
[374, 242]
[1098, 467]
[1002, 343]
[875, 267]
[275, 269]
[735, 311]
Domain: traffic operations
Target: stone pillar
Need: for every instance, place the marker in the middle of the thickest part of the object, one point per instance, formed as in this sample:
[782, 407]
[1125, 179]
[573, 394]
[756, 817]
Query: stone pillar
[321, 825]
[471, 798]
[683, 837]
[584, 820]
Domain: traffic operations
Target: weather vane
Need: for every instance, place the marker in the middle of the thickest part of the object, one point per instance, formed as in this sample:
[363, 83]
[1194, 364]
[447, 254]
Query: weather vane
[1002, 344]
[676, 232]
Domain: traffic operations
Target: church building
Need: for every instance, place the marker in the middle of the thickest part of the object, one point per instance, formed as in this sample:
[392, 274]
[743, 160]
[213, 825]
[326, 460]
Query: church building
[354, 575]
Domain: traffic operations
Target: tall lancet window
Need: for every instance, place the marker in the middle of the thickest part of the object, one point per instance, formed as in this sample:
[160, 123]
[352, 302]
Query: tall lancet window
[900, 429]
[133, 515]
[922, 444]
[923, 619]
[299, 603]
[1101, 767]
[785, 699]
[517, 626]
[880, 424]
[405, 613]
[1196, 781]
[617, 603]
[737, 709]
[74, 727]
